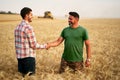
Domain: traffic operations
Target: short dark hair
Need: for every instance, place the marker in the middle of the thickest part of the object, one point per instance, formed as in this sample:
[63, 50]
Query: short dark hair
[25, 11]
[75, 14]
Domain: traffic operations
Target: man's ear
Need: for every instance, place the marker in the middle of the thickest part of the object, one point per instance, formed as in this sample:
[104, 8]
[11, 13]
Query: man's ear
[77, 19]
[26, 15]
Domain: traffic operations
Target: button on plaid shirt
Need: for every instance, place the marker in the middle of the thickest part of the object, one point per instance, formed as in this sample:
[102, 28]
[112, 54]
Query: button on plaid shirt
[25, 41]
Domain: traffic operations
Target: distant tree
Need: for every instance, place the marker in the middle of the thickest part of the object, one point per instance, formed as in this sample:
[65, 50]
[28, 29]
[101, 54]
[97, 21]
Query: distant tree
[9, 12]
[2, 12]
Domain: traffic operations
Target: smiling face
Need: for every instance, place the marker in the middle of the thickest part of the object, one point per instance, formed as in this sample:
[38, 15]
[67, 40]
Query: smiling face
[29, 17]
[72, 20]
[26, 14]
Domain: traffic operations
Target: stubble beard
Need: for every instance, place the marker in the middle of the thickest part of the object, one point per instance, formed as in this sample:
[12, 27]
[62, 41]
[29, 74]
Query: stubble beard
[70, 23]
[30, 19]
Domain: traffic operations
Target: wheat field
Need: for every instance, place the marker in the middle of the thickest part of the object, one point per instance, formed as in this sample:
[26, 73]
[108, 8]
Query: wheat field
[105, 48]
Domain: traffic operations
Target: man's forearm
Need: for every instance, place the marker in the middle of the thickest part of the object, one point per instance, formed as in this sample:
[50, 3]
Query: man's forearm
[88, 50]
[53, 44]
[56, 43]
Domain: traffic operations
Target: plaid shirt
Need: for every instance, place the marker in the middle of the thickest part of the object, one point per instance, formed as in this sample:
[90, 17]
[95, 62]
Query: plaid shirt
[25, 41]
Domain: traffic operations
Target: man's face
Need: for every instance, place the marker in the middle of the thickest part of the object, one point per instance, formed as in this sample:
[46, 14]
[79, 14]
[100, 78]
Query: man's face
[71, 20]
[29, 16]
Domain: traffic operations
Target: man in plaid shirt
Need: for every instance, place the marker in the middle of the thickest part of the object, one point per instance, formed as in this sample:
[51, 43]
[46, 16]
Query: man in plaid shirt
[25, 43]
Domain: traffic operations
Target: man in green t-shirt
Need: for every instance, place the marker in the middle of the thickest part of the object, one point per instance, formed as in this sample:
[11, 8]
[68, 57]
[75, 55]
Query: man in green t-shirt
[74, 37]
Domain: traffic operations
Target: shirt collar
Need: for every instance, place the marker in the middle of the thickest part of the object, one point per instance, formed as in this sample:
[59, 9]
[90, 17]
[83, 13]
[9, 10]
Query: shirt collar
[25, 21]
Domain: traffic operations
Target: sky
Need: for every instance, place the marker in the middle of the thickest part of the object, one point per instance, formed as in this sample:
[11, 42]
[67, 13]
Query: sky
[85, 8]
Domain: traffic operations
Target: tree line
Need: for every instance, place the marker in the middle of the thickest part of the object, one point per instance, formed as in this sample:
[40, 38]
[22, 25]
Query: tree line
[9, 12]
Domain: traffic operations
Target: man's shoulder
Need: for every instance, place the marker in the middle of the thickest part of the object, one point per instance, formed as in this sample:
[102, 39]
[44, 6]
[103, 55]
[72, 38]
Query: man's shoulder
[82, 28]
[23, 26]
[68, 27]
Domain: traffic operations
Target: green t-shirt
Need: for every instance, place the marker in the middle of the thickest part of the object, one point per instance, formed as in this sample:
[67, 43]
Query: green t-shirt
[74, 42]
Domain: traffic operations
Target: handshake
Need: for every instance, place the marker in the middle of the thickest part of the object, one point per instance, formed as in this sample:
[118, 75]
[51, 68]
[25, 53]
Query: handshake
[52, 44]
[45, 46]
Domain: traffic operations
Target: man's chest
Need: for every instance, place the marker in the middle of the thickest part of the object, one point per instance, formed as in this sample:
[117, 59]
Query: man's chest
[73, 34]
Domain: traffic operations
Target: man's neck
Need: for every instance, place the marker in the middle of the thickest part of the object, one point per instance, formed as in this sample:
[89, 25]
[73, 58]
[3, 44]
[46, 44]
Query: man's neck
[25, 20]
[75, 25]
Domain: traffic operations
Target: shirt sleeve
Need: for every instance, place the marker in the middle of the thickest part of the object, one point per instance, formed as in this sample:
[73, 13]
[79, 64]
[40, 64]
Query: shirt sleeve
[85, 35]
[32, 39]
[62, 34]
